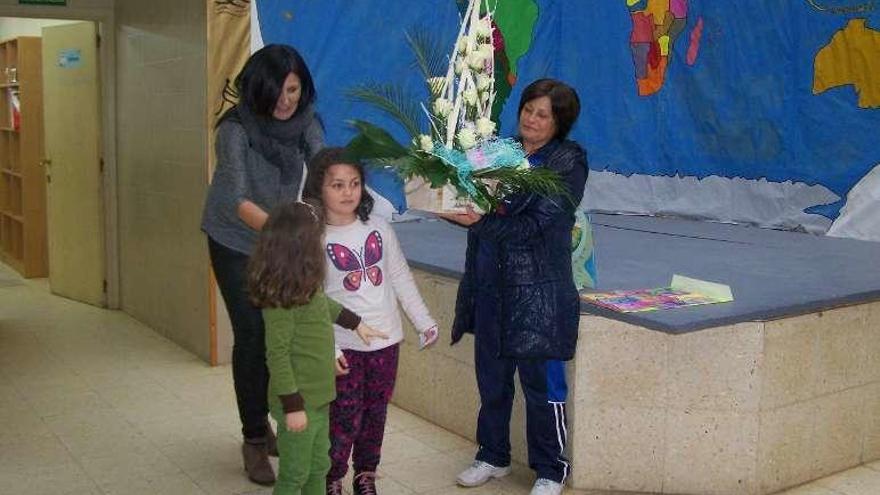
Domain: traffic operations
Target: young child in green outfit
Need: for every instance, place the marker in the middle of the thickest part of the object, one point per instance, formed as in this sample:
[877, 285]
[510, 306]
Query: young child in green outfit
[285, 276]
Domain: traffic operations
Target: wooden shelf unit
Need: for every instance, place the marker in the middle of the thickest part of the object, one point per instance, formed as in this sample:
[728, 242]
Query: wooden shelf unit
[23, 239]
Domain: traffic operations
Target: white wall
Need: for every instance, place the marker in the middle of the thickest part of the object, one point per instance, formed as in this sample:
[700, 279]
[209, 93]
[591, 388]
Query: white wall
[12, 27]
[161, 61]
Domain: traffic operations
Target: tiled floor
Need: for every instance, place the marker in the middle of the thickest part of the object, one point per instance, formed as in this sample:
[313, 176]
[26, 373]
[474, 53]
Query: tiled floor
[92, 402]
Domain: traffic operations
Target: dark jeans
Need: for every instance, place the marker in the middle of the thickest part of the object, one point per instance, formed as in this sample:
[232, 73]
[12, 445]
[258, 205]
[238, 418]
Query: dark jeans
[249, 372]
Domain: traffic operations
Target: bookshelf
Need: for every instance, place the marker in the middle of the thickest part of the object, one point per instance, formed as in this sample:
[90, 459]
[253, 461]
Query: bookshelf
[23, 243]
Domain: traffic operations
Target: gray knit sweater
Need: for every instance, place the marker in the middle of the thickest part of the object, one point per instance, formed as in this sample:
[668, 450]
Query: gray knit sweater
[243, 174]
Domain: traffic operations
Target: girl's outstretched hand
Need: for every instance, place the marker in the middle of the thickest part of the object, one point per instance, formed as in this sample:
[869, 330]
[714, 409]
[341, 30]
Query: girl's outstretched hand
[466, 219]
[367, 334]
[296, 421]
[428, 337]
[341, 366]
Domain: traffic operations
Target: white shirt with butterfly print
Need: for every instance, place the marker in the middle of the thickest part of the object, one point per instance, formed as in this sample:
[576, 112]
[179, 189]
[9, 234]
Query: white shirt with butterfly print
[367, 272]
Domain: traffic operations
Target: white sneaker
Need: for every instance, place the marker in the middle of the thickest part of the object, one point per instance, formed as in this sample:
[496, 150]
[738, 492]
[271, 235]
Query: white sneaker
[543, 486]
[480, 472]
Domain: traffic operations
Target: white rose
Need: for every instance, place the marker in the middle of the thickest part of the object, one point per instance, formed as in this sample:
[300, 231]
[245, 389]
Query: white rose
[485, 127]
[484, 28]
[487, 50]
[442, 107]
[483, 82]
[426, 144]
[437, 85]
[462, 45]
[467, 139]
[470, 96]
[476, 61]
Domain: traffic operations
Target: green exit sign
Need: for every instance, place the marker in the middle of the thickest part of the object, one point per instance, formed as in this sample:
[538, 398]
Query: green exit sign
[42, 2]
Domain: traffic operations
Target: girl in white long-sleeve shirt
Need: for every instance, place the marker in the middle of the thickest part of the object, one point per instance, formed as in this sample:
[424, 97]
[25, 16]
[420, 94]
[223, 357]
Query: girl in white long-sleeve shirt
[367, 272]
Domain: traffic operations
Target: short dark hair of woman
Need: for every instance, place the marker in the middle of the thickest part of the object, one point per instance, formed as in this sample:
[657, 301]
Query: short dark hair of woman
[261, 79]
[318, 166]
[563, 98]
[288, 264]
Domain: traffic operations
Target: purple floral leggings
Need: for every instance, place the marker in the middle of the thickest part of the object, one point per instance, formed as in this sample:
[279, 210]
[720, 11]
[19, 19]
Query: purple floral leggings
[357, 416]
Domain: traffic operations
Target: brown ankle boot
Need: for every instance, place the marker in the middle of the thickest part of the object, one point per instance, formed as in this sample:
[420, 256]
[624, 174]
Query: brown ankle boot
[256, 463]
[271, 441]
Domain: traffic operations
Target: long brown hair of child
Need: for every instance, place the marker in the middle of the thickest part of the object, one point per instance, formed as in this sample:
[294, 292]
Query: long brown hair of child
[287, 266]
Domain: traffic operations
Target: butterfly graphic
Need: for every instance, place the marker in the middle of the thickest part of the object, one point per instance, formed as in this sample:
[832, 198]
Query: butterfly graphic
[358, 264]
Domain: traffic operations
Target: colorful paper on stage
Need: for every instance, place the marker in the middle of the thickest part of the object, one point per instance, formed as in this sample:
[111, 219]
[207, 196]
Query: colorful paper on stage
[682, 292]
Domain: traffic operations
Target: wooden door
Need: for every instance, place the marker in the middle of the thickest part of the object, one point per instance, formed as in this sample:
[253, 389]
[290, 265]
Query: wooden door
[71, 103]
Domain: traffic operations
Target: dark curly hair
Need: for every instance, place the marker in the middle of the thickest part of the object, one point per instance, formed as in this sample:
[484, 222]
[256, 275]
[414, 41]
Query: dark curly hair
[288, 265]
[318, 166]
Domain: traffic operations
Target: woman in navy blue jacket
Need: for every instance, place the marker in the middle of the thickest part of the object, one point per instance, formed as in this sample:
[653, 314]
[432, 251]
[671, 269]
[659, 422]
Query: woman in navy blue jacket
[518, 298]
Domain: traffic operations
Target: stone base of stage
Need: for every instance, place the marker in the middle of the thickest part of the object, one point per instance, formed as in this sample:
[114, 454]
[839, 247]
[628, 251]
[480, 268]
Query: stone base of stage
[749, 408]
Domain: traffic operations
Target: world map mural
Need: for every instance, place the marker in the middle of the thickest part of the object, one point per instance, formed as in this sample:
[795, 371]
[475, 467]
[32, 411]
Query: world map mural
[750, 111]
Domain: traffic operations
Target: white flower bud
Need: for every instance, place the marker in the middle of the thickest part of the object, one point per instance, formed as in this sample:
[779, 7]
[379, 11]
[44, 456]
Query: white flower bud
[485, 127]
[467, 139]
[459, 67]
[484, 28]
[426, 144]
[476, 61]
[483, 82]
[470, 96]
[462, 44]
[442, 107]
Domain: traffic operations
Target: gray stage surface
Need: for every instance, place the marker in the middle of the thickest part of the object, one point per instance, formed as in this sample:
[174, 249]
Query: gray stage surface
[772, 274]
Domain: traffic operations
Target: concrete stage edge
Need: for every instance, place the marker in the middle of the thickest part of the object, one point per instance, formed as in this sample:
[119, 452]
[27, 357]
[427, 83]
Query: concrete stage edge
[778, 388]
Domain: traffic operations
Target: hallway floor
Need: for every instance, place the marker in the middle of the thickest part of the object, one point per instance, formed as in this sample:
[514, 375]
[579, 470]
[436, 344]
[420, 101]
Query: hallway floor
[93, 402]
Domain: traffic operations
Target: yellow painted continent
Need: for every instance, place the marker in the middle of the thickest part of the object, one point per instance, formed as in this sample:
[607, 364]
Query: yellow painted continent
[851, 57]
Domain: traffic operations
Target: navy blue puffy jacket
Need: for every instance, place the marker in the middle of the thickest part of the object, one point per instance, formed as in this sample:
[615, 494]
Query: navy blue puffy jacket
[539, 303]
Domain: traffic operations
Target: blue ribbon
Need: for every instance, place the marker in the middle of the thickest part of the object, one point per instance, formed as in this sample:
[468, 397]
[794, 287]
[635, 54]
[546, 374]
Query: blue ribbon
[492, 155]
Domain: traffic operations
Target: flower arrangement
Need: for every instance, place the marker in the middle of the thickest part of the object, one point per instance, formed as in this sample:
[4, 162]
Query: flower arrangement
[457, 160]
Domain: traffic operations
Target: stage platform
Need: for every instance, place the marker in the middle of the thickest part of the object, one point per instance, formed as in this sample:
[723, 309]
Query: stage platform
[777, 388]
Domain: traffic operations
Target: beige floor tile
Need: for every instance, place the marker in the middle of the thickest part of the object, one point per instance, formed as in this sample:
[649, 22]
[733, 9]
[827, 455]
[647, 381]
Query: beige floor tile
[809, 489]
[438, 438]
[69, 402]
[223, 480]
[25, 426]
[194, 455]
[143, 465]
[400, 446]
[401, 420]
[422, 474]
[40, 453]
[106, 443]
[857, 481]
[172, 484]
[62, 479]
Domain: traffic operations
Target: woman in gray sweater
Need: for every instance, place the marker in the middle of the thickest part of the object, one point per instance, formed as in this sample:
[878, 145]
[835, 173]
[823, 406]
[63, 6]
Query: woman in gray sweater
[263, 145]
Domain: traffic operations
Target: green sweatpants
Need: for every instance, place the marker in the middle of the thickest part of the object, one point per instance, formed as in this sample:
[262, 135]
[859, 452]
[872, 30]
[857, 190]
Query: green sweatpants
[304, 457]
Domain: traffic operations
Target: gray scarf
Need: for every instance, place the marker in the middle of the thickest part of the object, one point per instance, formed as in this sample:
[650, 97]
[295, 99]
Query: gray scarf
[281, 142]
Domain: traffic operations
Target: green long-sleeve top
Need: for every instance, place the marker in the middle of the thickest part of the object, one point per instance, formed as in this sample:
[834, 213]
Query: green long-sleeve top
[300, 353]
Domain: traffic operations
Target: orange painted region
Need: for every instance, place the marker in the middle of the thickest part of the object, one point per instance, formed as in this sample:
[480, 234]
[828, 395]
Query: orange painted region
[654, 82]
[657, 8]
[852, 57]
